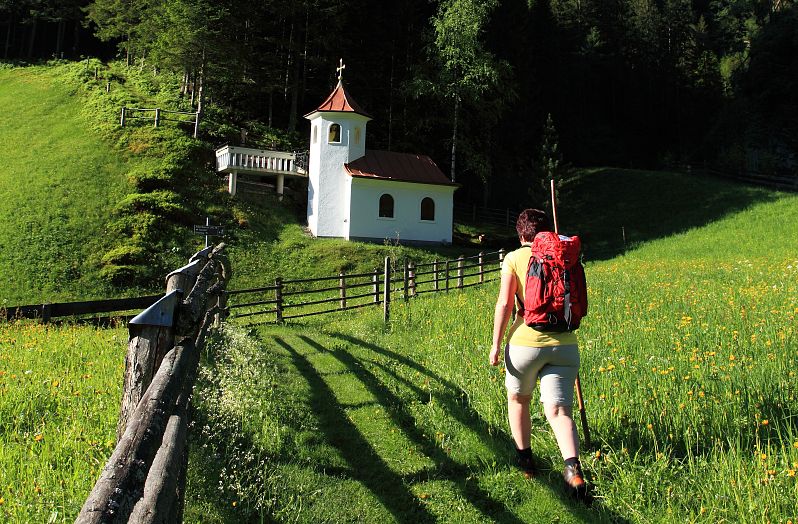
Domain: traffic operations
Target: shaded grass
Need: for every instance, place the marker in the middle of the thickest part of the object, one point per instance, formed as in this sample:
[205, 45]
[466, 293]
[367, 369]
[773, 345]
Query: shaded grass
[604, 205]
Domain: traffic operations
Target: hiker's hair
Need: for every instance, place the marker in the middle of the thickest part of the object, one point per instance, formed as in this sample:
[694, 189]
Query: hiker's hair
[531, 222]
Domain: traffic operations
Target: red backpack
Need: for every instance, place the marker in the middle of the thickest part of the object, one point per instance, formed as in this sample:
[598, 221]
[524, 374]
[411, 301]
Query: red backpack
[556, 292]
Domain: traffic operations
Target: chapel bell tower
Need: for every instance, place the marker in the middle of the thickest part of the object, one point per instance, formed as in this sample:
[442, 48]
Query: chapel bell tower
[337, 137]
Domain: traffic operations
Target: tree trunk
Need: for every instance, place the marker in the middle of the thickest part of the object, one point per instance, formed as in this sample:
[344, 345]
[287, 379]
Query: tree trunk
[201, 89]
[75, 38]
[59, 39]
[193, 88]
[292, 116]
[271, 105]
[8, 36]
[32, 38]
[454, 136]
[292, 66]
[390, 95]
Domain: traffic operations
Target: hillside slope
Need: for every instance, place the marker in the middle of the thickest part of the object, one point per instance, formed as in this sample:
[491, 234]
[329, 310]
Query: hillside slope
[92, 210]
[688, 360]
[58, 183]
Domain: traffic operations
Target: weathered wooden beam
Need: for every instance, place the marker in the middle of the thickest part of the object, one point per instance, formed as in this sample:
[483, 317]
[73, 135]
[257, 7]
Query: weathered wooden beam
[121, 482]
[151, 336]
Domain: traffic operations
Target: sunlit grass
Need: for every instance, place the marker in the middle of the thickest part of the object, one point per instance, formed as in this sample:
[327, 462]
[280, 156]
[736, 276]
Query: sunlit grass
[59, 402]
[58, 185]
[689, 359]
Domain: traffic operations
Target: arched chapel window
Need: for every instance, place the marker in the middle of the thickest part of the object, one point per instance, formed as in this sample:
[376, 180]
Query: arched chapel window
[427, 209]
[357, 135]
[386, 206]
[315, 134]
[335, 133]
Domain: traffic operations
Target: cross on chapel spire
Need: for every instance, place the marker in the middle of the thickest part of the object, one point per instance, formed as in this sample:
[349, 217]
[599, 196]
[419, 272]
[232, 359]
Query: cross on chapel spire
[340, 69]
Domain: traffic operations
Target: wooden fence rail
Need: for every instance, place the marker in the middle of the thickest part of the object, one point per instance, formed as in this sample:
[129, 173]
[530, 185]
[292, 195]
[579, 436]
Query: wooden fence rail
[46, 312]
[144, 480]
[486, 215]
[297, 298]
[158, 116]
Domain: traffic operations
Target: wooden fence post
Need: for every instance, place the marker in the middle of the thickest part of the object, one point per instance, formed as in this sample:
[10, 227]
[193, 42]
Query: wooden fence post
[460, 271]
[405, 277]
[151, 337]
[222, 305]
[435, 272]
[157, 116]
[375, 279]
[342, 288]
[46, 313]
[411, 275]
[447, 275]
[278, 297]
[481, 267]
[386, 299]
[122, 120]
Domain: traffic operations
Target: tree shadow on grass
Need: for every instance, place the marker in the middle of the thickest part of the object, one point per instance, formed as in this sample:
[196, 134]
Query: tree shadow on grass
[466, 416]
[366, 465]
[446, 467]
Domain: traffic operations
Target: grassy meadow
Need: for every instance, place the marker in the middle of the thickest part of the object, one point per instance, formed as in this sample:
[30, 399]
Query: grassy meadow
[59, 402]
[689, 360]
[689, 353]
[58, 185]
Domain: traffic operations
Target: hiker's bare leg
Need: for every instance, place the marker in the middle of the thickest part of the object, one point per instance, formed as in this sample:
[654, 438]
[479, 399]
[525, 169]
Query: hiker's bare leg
[520, 423]
[562, 423]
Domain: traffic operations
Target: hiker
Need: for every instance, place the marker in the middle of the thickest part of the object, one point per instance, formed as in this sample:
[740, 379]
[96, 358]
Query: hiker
[530, 354]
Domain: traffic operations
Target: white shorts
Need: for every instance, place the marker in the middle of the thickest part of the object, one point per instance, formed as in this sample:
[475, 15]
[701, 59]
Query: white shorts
[556, 366]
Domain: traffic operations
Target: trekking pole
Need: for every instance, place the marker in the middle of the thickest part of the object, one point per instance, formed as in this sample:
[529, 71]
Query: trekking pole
[577, 384]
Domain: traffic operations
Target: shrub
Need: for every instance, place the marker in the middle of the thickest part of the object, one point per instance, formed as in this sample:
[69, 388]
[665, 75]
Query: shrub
[125, 254]
[125, 275]
[162, 203]
[146, 179]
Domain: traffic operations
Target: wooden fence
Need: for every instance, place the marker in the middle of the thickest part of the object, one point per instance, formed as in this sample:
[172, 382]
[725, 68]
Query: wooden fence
[296, 298]
[158, 116]
[501, 217]
[144, 480]
[47, 312]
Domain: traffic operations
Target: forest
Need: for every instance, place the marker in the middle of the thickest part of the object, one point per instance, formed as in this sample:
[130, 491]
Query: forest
[500, 93]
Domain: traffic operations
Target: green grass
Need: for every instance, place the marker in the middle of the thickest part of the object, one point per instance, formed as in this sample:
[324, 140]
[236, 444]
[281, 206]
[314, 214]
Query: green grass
[605, 206]
[689, 362]
[688, 349]
[270, 242]
[58, 185]
[59, 402]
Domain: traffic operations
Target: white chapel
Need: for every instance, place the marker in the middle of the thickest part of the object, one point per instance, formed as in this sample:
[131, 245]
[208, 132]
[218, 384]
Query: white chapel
[360, 194]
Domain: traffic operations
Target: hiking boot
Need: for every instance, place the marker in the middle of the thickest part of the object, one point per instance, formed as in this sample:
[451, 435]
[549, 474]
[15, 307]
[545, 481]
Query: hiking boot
[527, 466]
[575, 481]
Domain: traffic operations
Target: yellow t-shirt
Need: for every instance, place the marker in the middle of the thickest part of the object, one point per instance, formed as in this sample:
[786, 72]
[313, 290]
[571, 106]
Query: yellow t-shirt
[516, 263]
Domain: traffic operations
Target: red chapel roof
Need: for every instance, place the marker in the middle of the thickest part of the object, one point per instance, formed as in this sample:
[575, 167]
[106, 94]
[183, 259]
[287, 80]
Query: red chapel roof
[401, 167]
[340, 100]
